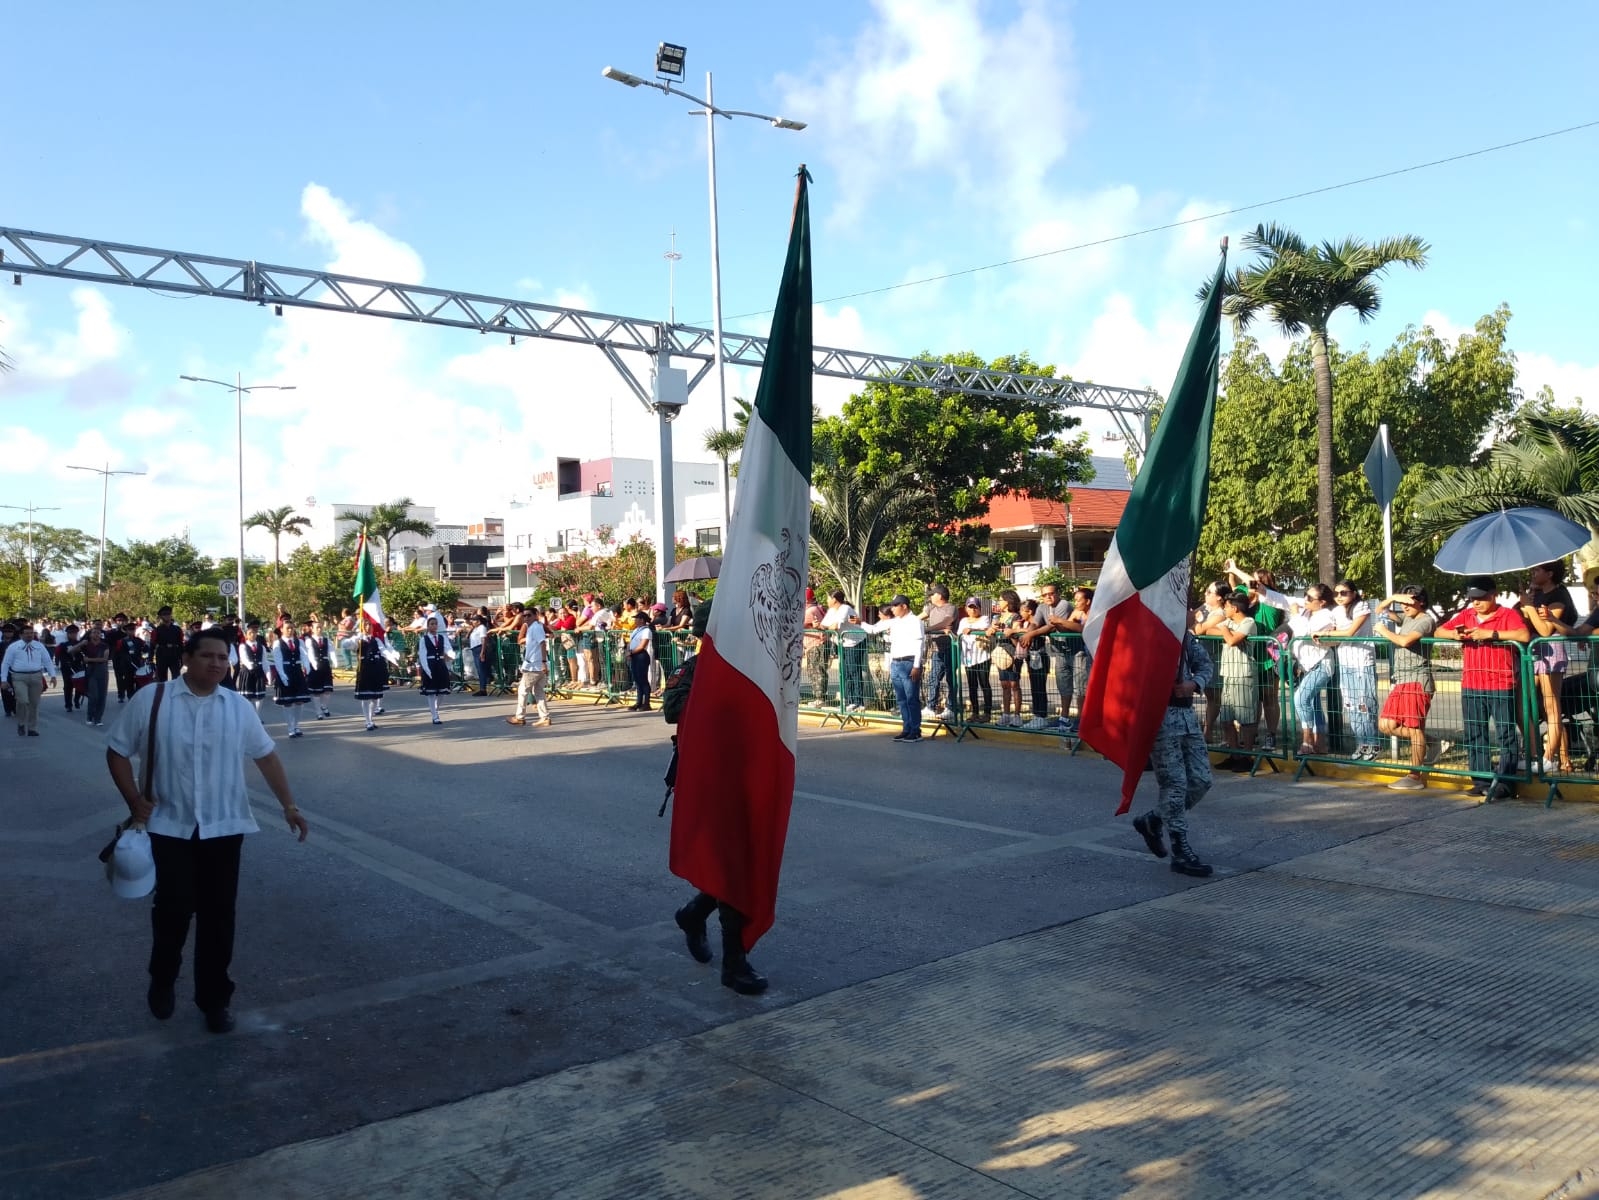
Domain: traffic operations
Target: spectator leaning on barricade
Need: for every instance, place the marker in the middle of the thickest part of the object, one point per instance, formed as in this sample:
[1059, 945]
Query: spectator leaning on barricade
[815, 644]
[1036, 659]
[1002, 624]
[1488, 681]
[1240, 684]
[1056, 616]
[1315, 664]
[1208, 618]
[1082, 660]
[840, 622]
[1403, 621]
[1546, 606]
[1271, 612]
[1357, 667]
[939, 619]
[973, 634]
[906, 640]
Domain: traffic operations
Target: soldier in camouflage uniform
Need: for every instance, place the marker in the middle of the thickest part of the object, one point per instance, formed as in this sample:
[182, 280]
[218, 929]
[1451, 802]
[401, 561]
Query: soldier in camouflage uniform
[1182, 764]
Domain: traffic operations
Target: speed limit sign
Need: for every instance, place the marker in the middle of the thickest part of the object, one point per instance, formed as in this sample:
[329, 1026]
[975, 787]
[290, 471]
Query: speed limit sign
[229, 587]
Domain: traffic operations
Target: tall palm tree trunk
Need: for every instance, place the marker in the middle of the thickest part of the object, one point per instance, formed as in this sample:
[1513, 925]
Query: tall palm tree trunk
[276, 538]
[1326, 529]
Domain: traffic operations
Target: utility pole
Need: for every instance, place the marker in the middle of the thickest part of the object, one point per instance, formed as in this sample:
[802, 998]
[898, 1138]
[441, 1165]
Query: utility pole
[105, 474]
[30, 509]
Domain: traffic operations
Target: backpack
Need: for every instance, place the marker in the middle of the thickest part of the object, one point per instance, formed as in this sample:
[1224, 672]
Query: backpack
[674, 696]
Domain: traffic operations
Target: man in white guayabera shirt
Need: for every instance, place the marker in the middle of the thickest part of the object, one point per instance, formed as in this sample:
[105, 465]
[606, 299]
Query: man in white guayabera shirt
[26, 667]
[197, 816]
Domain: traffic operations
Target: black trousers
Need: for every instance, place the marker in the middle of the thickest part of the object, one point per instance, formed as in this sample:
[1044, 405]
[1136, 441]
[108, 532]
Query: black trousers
[199, 879]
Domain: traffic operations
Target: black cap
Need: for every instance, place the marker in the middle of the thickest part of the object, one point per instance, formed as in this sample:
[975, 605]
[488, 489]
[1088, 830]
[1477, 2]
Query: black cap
[702, 618]
[899, 599]
[1481, 587]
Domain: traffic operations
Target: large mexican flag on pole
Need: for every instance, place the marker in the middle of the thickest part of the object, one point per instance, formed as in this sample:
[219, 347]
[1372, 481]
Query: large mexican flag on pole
[736, 738]
[1140, 612]
[368, 600]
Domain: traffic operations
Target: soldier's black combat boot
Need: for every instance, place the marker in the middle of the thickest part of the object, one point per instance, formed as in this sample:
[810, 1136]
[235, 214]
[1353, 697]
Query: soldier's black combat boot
[691, 920]
[1149, 826]
[736, 970]
[1183, 859]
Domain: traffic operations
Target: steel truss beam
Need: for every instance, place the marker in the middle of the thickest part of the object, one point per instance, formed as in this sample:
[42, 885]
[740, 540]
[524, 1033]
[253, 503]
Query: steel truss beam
[87, 260]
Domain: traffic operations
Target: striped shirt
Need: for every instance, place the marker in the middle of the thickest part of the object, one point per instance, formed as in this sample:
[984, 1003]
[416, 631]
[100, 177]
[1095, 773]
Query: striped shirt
[201, 745]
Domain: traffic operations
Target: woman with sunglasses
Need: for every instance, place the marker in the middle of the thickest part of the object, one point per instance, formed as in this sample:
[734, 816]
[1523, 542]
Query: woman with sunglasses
[1316, 665]
[1357, 666]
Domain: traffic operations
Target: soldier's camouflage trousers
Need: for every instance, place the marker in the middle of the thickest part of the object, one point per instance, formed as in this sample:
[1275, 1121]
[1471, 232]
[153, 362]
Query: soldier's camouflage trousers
[1182, 767]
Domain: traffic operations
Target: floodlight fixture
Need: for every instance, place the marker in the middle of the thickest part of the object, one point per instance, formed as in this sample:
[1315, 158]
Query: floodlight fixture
[669, 60]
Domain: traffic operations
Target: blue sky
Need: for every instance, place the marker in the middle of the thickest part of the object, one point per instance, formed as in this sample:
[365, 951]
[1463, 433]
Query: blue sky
[481, 150]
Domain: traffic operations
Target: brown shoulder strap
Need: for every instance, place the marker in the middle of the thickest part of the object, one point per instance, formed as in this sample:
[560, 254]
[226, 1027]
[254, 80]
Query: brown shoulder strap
[149, 742]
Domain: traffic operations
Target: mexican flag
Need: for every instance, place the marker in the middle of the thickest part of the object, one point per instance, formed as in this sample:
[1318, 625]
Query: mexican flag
[369, 603]
[736, 738]
[1140, 612]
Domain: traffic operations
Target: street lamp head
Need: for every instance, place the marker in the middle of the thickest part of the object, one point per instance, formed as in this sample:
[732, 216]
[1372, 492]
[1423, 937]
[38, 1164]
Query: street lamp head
[785, 123]
[621, 77]
[192, 378]
[669, 60]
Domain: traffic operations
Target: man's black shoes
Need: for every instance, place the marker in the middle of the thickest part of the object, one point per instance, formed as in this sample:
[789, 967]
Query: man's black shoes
[1183, 859]
[162, 998]
[692, 924]
[219, 1020]
[1148, 827]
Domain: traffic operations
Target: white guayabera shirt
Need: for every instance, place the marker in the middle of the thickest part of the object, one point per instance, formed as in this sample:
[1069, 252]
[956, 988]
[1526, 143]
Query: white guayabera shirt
[201, 743]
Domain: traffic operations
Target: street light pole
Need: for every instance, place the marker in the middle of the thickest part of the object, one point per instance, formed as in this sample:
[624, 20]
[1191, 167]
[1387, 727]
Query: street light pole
[239, 390]
[669, 61]
[30, 509]
[105, 474]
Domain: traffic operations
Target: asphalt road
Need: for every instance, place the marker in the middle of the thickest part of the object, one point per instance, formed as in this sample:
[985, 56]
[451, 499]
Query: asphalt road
[480, 905]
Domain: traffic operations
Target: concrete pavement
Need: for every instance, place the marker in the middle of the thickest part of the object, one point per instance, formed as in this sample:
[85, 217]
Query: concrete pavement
[467, 984]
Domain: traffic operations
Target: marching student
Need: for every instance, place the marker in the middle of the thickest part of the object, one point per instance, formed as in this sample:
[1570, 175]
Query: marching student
[434, 654]
[253, 665]
[319, 651]
[373, 654]
[288, 661]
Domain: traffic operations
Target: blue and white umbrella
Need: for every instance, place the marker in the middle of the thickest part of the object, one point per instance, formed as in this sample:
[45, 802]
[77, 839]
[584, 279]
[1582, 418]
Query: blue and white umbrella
[1510, 540]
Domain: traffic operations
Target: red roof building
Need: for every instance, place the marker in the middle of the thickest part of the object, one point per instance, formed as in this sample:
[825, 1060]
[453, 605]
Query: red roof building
[1074, 535]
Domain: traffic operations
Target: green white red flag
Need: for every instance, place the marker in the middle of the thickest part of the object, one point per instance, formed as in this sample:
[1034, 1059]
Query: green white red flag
[736, 737]
[1140, 612]
[368, 600]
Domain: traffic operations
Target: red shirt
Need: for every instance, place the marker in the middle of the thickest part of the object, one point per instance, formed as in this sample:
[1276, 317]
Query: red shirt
[1487, 666]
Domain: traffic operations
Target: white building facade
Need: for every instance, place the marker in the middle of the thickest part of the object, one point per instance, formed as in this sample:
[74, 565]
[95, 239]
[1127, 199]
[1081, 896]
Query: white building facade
[575, 505]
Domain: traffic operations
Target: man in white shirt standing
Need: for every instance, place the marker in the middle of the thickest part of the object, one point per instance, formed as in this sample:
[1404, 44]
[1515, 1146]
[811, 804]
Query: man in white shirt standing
[197, 817]
[535, 672]
[28, 670]
[906, 636]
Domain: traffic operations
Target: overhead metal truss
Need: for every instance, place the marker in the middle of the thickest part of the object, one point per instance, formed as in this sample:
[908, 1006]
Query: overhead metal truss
[88, 260]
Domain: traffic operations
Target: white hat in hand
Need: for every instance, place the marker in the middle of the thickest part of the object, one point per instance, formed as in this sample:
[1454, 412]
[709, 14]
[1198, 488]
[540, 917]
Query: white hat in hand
[133, 865]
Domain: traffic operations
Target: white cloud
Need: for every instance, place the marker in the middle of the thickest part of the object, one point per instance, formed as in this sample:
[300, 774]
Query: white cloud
[929, 84]
[1568, 380]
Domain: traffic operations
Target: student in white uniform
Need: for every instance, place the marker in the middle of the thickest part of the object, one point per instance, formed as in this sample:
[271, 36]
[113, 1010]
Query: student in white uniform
[289, 663]
[434, 654]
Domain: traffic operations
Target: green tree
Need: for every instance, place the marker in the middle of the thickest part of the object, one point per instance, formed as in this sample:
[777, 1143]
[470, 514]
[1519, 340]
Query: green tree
[385, 523]
[313, 581]
[1300, 287]
[850, 522]
[1550, 459]
[405, 591]
[277, 522]
[1439, 402]
[724, 443]
[953, 451]
[628, 571]
[175, 559]
[54, 551]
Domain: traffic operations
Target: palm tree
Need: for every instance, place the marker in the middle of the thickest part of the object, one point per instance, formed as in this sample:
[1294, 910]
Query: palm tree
[852, 520]
[724, 443]
[1549, 462]
[277, 522]
[385, 522]
[1300, 287]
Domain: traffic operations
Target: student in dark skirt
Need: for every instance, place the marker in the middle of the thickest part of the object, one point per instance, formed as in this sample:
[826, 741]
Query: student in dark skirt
[434, 654]
[253, 664]
[289, 668]
[372, 658]
[319, 680]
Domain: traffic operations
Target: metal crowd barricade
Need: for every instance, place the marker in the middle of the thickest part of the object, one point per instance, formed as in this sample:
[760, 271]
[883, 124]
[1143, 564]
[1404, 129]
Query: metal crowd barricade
[996, 684]
[1461, 728]
[563, 664]
[404, 646]
[1245, 713]
[1562, 675]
